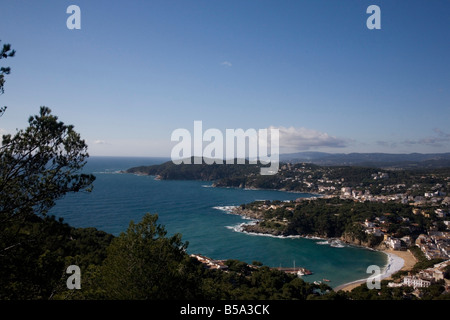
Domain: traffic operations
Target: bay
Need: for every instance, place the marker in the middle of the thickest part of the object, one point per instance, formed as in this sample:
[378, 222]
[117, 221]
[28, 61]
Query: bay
[195, 209]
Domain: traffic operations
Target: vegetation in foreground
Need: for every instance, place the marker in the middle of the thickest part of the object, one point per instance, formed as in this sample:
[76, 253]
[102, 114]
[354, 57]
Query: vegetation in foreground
[144, 263]
[141, 263]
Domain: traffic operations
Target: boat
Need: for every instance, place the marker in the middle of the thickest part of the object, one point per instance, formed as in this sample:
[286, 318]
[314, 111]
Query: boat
[306, 271]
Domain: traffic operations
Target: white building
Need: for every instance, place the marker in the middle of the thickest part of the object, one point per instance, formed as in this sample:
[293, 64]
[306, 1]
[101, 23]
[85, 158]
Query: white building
[416, 282]
[369, 224]
[374, 231]
[346, 191]
[394, 243]
[440, 213]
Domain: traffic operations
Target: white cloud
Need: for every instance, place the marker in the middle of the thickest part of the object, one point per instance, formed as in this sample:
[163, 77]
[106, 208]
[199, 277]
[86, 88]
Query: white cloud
[300, 139]
[439, 140]
[226, 63]
[99, 142]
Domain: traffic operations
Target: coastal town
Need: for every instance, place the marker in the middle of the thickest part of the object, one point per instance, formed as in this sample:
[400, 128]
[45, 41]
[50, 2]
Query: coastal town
[368, 184]
[421, 228]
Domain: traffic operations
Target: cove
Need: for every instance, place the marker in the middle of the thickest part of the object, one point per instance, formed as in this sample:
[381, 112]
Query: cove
[191, 209]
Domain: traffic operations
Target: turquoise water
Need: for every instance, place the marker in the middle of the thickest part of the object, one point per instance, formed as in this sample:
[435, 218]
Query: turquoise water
[190, 208]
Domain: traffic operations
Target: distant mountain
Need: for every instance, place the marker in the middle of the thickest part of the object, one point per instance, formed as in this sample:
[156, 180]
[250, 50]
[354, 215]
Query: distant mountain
[382, 160]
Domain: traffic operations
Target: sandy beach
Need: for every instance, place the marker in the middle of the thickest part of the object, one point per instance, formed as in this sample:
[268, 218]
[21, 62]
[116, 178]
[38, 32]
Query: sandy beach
[397, 260]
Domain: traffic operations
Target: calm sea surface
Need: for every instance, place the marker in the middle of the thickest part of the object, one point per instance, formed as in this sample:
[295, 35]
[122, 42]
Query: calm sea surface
[191, 208]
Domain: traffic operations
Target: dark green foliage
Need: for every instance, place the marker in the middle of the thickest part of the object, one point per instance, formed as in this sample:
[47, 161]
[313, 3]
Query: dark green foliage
[238, 266]
[39, 165]
[257, 263]
[5, 53]
[87, 246]
[447, 272]
[425, 264]
[143, 263]
[34, 267]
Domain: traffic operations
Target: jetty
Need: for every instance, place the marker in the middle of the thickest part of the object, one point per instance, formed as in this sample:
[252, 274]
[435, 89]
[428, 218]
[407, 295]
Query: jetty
[296, 270]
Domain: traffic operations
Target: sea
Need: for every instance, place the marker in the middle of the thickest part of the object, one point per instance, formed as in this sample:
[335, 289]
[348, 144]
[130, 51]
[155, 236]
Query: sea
[200, 213]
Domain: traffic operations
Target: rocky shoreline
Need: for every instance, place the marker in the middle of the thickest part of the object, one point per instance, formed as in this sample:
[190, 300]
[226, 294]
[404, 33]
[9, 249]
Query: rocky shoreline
[250, 214]
[256, 228]
[393, 265]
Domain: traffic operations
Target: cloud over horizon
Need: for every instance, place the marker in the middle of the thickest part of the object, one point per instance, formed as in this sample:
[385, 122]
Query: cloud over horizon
[438, 140]
[301, 139]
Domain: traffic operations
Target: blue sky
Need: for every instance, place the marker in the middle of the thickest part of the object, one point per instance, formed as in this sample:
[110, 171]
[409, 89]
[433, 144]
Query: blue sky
[138, 70]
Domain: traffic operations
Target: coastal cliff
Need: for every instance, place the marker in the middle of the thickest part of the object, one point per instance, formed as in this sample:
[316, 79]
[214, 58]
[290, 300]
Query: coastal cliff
[352, 240]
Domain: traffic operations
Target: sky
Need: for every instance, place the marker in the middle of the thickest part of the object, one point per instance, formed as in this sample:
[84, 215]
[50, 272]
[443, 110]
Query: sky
[138, 70]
